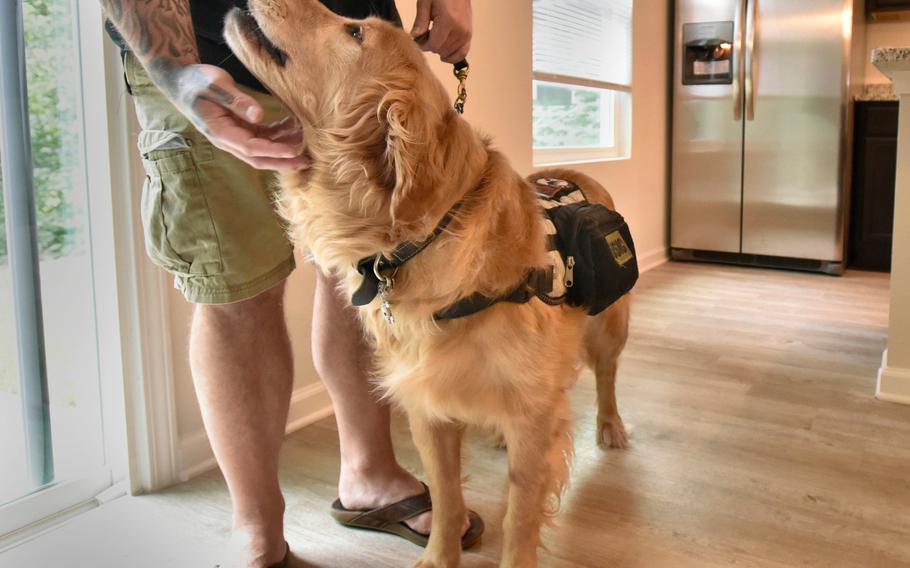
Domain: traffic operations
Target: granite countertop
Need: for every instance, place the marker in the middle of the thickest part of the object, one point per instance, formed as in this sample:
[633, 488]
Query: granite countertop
[888, 55]
[877, 92]
[889, 60]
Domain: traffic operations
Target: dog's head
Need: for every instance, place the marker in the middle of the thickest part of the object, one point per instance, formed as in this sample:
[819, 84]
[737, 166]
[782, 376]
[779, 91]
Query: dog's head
[371, 108]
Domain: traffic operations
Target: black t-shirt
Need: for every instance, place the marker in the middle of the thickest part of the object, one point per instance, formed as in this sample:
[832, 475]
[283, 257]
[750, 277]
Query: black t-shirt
[208, 19]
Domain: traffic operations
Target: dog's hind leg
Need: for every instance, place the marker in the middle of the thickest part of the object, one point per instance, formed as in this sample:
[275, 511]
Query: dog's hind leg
[605, 337]
[439, 444]
[540, 455]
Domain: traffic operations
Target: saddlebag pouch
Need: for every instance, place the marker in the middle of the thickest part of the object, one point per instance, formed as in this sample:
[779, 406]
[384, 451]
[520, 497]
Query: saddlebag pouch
[597, 250]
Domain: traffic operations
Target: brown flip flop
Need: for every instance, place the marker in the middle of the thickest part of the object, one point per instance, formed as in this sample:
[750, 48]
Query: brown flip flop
[391, 519]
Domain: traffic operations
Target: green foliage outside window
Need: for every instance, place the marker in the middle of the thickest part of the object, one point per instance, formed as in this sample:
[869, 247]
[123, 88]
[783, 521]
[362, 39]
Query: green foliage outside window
[564, 118]
[52, 71]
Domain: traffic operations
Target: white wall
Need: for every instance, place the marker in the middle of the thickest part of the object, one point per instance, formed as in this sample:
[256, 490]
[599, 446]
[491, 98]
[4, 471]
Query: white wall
[894, 375]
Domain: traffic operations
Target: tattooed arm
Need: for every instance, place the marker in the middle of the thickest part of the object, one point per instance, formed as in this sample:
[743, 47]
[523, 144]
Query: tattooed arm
[161, 35]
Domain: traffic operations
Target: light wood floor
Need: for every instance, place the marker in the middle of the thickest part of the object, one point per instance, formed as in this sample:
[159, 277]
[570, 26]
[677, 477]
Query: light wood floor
[756, 441]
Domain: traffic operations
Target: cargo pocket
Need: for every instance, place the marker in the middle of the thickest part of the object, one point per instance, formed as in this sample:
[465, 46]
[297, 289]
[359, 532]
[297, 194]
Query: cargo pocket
[180, 234]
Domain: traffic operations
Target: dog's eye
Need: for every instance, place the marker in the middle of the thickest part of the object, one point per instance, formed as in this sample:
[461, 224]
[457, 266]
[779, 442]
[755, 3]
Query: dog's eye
[355, 31]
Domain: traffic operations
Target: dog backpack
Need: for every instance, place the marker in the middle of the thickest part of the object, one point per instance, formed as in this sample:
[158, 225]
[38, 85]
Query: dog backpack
[592, 256]
[591, 248]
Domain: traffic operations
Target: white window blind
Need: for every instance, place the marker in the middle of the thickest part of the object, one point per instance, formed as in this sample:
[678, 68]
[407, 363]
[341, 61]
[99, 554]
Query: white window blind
[587, 39]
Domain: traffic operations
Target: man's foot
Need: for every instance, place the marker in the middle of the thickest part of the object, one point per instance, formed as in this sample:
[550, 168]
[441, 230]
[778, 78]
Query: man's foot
[371, 489]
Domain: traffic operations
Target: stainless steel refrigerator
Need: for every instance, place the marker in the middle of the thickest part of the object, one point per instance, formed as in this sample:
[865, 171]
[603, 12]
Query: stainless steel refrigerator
[762, 113]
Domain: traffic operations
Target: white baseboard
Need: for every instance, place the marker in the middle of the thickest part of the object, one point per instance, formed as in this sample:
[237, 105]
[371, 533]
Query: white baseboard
[652, 259]
[308, 404]
[893, 383]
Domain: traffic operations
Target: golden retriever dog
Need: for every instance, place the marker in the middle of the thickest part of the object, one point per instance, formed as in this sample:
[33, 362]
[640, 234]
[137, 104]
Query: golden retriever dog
[390, 159]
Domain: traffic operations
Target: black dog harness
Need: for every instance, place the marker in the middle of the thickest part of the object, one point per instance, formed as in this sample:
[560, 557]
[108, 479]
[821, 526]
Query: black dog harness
[592, 259]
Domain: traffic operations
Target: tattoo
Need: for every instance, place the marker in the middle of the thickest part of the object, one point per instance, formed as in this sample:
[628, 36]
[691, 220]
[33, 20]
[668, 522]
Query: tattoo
[218, 95]
[160, 33]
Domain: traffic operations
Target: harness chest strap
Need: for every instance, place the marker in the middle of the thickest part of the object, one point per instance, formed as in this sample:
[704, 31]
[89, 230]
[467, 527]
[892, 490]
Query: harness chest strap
[538, 283]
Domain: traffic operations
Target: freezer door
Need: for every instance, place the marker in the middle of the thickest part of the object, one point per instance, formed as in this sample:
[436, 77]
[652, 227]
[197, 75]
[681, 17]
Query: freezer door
[794, 138]
[706, 187]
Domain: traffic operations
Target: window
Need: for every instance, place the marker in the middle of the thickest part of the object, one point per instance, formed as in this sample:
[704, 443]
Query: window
[582, 80]
[56, 448]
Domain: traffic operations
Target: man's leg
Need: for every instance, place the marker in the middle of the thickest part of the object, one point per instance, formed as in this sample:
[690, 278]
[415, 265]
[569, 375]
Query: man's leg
[370, 475]
[242, 366]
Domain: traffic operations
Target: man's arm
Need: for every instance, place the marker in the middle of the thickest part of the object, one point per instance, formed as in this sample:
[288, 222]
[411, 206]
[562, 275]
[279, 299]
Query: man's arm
[161, 35]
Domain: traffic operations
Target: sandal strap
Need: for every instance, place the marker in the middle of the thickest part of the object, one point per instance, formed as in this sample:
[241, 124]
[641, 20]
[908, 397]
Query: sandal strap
[395, 513]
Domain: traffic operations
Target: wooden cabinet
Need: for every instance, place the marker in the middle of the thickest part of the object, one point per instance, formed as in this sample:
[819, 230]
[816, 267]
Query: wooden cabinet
[884, 10]
[872, 201]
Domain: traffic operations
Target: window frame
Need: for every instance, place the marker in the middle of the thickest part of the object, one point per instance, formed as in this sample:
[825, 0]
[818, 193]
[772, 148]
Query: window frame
[547, 156]
[622, 120]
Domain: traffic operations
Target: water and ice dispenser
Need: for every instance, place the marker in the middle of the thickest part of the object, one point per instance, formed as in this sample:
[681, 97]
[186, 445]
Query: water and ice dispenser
[708, 53]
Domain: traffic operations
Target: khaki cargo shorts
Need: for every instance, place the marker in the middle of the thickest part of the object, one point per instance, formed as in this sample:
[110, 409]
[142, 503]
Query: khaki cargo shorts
[208, 217]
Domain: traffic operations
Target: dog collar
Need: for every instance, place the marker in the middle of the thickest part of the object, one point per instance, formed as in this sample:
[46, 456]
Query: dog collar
[378, 271]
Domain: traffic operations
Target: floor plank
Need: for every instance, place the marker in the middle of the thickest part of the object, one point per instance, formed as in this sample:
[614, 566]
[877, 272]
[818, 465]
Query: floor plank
[757, 442]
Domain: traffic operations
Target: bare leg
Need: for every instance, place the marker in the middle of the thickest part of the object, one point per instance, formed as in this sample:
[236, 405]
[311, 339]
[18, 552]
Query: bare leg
[242, 366]
[370, 475]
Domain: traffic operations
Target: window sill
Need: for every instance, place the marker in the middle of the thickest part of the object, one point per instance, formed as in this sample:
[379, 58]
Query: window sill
[550, 162]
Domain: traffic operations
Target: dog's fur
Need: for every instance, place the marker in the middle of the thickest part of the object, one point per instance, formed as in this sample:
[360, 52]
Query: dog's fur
[390, 158]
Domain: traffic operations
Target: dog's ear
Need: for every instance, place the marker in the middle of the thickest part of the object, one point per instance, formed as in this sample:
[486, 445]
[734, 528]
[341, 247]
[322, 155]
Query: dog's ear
[400, 136]
[415, 157]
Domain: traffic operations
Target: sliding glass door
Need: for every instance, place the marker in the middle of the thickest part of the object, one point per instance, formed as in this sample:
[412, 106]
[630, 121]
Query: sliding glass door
[52, 435]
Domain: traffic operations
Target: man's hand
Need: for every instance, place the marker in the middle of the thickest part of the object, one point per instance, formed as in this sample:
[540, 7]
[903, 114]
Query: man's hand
[162, 38]
[450, 35]
[230, 118]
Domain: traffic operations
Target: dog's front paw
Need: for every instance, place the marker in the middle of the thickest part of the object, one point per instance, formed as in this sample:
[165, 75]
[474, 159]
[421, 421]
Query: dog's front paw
[612, 434]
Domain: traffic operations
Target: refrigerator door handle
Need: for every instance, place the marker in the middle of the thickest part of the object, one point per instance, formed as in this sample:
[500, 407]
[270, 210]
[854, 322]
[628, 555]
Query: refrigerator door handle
[751, 67]
[738, 71]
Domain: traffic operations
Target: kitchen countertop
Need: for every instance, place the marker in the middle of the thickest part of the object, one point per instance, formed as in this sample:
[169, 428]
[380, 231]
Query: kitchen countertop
[897, 57]
[877, 92]
[894, 62]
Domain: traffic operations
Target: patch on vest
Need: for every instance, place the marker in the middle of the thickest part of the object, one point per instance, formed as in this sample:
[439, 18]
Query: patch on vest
[619, 249]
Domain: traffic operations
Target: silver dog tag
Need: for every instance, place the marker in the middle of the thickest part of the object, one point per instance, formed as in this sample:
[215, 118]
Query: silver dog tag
[385, 307]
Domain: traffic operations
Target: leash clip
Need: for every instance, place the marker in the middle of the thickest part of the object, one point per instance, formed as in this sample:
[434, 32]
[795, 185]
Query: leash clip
[461, 72]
